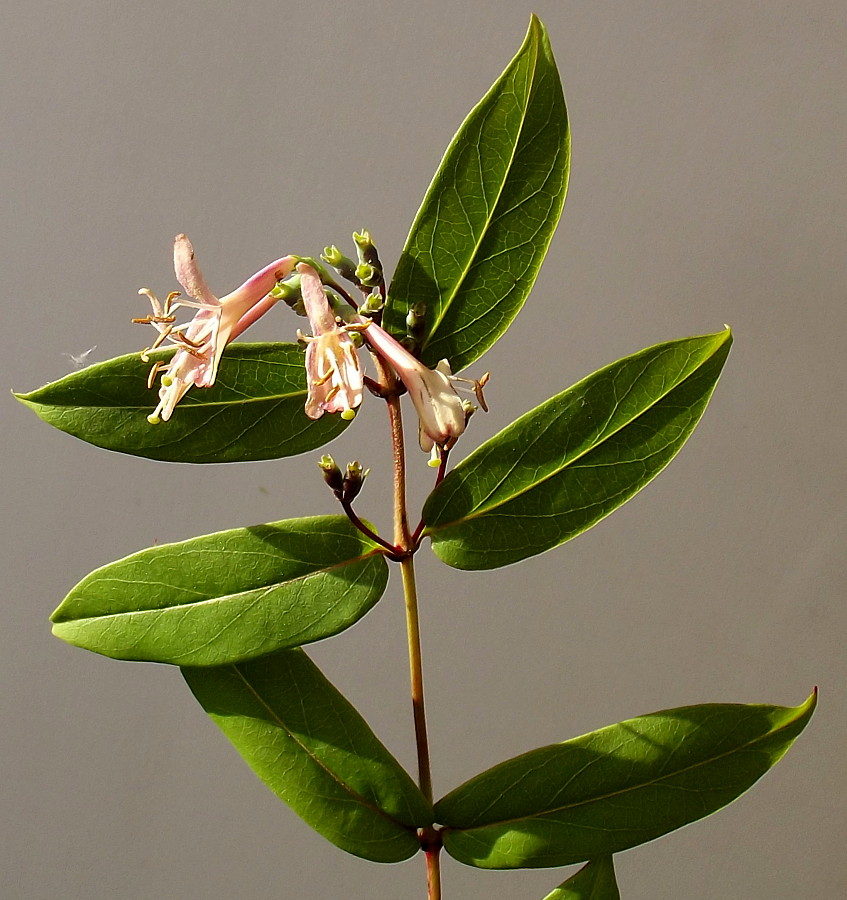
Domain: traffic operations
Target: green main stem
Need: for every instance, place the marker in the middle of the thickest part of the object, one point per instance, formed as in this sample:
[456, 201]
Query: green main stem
[407, 567]
[403, 539]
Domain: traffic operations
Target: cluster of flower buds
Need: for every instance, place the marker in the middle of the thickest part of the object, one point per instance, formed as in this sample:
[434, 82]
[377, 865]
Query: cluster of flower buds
[369, 271]
[346, 486]
[333, 370]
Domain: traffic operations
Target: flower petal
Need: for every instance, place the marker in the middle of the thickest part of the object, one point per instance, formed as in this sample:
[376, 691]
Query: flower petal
[188, 273]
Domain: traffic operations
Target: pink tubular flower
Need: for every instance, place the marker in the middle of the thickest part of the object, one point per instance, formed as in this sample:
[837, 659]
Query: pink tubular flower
[201, 342]
[333, 371]
[441, 413]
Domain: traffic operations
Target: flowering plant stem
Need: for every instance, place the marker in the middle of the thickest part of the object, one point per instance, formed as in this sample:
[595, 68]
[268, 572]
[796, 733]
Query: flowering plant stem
[405, 542]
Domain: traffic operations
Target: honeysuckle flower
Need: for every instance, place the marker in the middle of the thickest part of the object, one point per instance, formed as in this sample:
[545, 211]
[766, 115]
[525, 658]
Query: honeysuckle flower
[200, 342]
[333, 371]
[441, 412]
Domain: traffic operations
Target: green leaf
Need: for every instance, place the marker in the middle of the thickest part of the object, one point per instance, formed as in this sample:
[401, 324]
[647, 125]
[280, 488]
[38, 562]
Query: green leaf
[487, 219]
[617, 787]
[228, 596]
[568, 463]
[253, 411]
[594, 881]
[315, 752]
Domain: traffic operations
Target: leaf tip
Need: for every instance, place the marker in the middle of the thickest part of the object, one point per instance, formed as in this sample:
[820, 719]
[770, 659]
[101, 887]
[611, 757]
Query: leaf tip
[811, 701]
[803, 713]
[536, 33]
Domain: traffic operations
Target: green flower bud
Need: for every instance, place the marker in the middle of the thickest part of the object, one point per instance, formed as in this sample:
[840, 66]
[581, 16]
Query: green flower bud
[365, 249]
[289, 292]
[342, 264]
[354, 479]
[416, 321]
[368, 275]
[372, 305]
[332, 475]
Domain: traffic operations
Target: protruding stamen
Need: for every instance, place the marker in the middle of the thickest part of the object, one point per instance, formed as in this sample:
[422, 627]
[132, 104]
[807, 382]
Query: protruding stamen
[476, 387]
[154, 320]
[154, 371]
[187, 342]
[191, 349]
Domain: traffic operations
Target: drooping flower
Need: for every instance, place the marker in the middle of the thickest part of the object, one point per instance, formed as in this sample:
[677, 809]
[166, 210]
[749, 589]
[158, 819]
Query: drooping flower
[201, 342]
[441, 411]
[333, 370]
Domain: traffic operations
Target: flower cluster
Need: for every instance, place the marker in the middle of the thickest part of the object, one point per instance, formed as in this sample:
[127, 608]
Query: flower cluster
[333, 370]
[200, 342]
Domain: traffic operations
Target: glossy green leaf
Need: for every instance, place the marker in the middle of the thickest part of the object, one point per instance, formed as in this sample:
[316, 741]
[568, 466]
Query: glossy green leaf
[594, 881]
[568, 463]
[253, 411]
[315, 752]
[228, 596]
[617, 787]
[487, 219]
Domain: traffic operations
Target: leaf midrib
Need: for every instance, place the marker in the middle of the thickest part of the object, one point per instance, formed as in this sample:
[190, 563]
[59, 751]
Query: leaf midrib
[336, 778]
[493, 207]
[196, 404]
[479, 511]
[226, 597]
[597, 799]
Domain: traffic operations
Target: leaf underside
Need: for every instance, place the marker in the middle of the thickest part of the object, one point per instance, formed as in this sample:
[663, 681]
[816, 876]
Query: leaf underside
[228, 596]
[487, 219]
[315, 752]
[617, 787]
[255, 409]
[594, 881]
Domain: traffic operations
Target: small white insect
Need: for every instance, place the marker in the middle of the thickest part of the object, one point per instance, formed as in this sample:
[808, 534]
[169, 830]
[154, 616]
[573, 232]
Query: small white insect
[80, 361]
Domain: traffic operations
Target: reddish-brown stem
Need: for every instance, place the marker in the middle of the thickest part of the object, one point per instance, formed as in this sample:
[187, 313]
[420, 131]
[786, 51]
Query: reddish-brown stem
[402, 537]
[394, 552]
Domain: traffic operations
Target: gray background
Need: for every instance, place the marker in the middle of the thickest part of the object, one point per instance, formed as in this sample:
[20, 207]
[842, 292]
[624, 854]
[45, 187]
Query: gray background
[707, 187]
